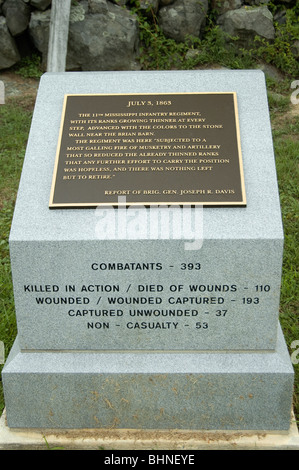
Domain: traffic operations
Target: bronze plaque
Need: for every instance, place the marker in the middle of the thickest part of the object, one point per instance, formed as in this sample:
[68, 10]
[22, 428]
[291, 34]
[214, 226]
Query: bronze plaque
[149, 149]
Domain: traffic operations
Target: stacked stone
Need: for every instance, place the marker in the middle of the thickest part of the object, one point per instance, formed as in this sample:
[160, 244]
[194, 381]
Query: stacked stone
[104, 35]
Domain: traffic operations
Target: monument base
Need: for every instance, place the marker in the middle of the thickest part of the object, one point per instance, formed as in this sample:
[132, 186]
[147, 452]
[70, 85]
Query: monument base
[149, 390]
[135, 439]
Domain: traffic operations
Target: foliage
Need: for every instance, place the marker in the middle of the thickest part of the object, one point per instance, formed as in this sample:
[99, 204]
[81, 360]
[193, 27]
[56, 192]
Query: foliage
[30, 67]
[286, 145]
[157, 51]
[276, 6]
[162, 53]
[14, 124]
[279, 51]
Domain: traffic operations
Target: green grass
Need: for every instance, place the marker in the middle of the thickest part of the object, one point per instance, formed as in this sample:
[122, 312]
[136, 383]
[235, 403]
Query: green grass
[30, 67]
[286, 144]
[14, 125]
[15, 121]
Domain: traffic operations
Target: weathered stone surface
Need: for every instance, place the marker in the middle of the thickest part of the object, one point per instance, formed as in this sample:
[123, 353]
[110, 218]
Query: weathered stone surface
[272, 72]
[164, 3]
[256, 2]
[40, 4]
[182, 18]
[247, 23]
[109, 27]
[245, 243]
[97, 6]
[149, 6]
[280, 17]
[199, 391]
[227, 5]
[101, 41]
[120, 2]
[295, 49]
[58, 36]
[235, 374]
[17, 15]
[39, 32]
[104, 41]
[9, 54]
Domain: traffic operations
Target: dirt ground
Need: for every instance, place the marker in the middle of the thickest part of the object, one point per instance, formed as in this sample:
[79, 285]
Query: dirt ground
[25, 90]
[22, 89]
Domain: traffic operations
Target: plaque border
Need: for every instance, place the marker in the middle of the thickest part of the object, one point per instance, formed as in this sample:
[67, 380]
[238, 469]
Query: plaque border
[82, 205]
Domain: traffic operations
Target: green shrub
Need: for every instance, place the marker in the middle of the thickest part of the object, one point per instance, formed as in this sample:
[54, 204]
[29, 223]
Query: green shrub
[30, 67]
[279, 51]
[161, 53]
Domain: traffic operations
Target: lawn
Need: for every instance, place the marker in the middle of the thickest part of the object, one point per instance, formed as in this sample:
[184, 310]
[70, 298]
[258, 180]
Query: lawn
[15, 118]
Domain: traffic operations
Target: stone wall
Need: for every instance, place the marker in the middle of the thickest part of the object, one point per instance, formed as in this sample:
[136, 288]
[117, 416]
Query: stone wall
[104, 35]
